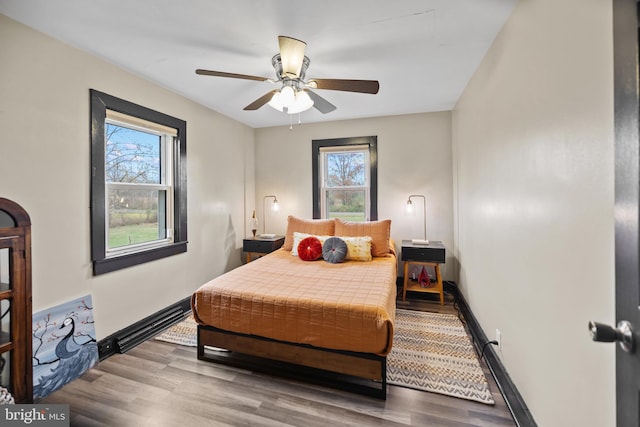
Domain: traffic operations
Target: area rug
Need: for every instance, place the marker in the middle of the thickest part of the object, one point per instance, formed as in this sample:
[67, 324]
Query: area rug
[431, 352]
[183, 333]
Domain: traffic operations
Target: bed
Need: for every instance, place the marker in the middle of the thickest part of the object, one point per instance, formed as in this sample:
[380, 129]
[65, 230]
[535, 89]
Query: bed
[334, 317]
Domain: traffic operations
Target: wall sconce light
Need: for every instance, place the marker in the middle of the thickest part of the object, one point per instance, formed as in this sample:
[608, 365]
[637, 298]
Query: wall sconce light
[410, 209]
[275, 207]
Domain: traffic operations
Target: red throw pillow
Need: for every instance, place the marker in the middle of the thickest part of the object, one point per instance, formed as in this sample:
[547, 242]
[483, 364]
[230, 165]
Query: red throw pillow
[310, 248]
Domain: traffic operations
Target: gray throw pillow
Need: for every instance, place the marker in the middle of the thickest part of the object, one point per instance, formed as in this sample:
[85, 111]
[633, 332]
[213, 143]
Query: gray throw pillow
[334, 250]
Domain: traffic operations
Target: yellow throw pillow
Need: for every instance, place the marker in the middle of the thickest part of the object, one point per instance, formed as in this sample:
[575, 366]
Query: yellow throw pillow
[358, 248]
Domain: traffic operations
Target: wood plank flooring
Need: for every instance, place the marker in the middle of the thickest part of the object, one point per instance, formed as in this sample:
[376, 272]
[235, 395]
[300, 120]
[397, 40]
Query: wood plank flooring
[161, 384]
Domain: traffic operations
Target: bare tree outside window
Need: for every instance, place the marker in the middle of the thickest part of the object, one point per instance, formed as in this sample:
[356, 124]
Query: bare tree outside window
[345, 178]
[345, 181]
[138, 184]
[345, 169]
[133, 157]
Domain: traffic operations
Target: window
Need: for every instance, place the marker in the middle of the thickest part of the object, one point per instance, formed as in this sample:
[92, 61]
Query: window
[138, 184]
[345, 178]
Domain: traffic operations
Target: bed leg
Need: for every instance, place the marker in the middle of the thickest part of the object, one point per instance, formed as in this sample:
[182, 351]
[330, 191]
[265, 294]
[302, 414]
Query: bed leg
[383, 391]
[199, 345]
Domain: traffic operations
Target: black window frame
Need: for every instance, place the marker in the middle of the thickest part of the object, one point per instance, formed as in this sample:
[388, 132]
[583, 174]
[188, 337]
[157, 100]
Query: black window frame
[372, 143]
[100, 103]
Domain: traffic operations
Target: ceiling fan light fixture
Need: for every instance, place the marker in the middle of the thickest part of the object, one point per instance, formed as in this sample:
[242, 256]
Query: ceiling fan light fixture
[287, 96]
[276, 102]
[302, 103]
[292, 55]
[290, 101]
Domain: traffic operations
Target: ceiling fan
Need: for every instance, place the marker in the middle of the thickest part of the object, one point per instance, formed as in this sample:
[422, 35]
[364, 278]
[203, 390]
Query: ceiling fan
[296, 95]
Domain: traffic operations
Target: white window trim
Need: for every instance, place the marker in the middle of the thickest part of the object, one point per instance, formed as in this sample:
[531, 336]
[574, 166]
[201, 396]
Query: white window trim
[324, 176]
[167, 136]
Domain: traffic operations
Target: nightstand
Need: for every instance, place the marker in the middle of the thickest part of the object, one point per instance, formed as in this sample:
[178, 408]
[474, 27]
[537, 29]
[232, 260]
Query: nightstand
[261, 246]
[431, 255]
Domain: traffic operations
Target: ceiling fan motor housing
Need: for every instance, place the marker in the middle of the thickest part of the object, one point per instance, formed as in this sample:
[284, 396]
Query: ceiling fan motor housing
[276, 61]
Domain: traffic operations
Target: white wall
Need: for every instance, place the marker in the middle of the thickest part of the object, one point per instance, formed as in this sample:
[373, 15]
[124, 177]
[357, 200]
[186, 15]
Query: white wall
[414, 157]
[45, 155]
[532, 167]
[533, 156]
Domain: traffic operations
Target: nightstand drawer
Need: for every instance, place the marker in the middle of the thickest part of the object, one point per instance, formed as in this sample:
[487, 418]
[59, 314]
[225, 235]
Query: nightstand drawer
[433, 252]
[263, 246]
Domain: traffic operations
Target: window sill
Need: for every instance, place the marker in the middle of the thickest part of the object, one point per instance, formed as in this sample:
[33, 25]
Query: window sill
[107, 265]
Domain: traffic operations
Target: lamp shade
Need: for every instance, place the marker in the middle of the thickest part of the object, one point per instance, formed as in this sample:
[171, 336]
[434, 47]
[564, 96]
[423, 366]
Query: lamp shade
[408, 208]
[302, 103]
[275, 207]
[287, 96]
[276, 102]
[290, 101]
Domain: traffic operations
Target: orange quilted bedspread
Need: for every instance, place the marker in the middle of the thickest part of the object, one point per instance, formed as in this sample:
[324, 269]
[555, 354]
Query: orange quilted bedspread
[346, 306]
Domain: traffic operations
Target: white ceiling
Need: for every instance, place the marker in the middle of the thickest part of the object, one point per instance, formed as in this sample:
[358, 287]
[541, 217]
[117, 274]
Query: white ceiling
[423, 52]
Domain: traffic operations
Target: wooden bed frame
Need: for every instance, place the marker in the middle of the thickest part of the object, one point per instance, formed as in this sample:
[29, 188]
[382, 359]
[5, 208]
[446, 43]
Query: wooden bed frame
[358, 366]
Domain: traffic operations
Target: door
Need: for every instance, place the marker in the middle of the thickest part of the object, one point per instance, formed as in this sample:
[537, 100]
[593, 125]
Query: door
[627, 201]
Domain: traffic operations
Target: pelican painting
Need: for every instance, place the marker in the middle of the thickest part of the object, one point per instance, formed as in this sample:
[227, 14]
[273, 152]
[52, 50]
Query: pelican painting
[64, 345]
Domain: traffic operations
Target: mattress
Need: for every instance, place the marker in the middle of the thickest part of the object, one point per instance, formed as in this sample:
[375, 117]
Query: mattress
[346, 306]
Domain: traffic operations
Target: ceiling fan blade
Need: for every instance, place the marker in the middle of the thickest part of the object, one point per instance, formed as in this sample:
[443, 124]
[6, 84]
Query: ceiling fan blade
[292, 55]
[260, 101]
[362, 86]
[232, 75]
[320, 103]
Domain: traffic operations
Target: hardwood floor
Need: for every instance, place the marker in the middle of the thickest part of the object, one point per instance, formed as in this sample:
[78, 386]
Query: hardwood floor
[161, 384]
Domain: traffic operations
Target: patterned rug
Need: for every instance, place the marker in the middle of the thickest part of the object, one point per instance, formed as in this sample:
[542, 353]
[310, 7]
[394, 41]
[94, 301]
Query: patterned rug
[431, 352]
[183, 333]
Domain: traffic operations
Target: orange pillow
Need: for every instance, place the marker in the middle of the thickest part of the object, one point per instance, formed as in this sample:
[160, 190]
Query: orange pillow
[318, 227]
[380, 232]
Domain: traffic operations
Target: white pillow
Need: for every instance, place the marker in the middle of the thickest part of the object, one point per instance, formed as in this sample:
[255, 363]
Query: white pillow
[297, 237]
